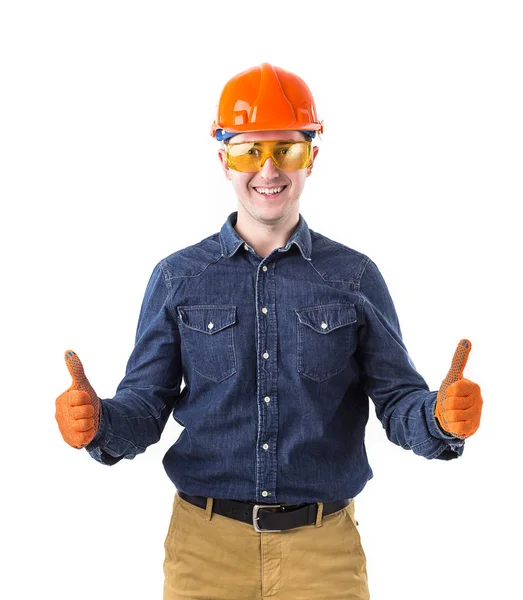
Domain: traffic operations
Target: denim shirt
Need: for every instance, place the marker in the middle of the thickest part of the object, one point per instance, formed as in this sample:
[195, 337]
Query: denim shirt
[279, 356]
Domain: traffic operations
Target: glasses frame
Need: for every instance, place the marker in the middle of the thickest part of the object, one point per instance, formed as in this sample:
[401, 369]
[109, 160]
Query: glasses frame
[269, 154]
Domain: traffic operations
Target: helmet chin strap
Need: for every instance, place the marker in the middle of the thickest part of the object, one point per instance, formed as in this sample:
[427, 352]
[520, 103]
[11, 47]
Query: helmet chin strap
[222, 134]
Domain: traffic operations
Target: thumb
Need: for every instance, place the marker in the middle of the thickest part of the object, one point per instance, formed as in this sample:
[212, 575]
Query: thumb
[80, 381]
[459, 360]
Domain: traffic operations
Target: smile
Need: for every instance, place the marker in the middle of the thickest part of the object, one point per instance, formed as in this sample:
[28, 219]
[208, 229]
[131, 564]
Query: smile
[270, 191]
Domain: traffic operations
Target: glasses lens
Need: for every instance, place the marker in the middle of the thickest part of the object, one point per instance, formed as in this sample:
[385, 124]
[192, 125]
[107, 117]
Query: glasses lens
[249, 157]
[245, 157]
[292, 156]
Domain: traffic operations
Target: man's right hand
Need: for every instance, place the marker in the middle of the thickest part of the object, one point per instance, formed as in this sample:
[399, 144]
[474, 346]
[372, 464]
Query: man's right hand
[78, 408]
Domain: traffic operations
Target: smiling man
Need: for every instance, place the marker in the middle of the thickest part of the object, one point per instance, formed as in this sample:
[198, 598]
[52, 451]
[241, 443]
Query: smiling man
[281, 336]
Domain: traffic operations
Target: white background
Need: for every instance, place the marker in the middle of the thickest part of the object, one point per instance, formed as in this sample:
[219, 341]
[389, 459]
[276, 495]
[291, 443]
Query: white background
[107, 166]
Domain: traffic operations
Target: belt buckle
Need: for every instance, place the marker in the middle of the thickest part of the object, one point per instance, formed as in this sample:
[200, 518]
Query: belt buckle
[255, 517]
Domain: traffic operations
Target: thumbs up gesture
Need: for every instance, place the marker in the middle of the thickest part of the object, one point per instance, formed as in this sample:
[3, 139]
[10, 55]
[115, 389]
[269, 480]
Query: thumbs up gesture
[459, 402]
[78, 408]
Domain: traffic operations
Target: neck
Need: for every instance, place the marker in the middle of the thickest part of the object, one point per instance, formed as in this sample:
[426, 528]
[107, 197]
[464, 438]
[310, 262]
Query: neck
[265, 236]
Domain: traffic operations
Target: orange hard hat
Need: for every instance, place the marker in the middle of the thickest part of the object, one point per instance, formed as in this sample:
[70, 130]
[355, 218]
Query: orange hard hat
[266, 98]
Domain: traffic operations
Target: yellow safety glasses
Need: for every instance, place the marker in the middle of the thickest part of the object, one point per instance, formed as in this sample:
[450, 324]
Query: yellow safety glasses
[249, 157]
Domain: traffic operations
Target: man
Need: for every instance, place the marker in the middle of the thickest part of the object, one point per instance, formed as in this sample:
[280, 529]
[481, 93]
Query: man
[281, 336]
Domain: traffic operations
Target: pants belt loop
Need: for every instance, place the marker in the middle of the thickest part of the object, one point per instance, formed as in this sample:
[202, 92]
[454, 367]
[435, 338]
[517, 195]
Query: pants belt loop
[208, 510]
[319, 516]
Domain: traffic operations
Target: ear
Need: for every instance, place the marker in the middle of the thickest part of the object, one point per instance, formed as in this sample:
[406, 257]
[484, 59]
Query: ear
[315, 151]
[223, 161]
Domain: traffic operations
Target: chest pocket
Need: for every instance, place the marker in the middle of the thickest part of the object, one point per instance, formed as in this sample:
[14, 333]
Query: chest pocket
[207, 333]
[326, 339]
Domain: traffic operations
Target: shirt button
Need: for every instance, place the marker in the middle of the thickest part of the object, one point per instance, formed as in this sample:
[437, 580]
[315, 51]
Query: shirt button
[211, 325]
[264, 310]
[264, 268]
[324, 325]
[265, 355]
[245, 246]
[267, 399]
[265, 446]
[264, 493]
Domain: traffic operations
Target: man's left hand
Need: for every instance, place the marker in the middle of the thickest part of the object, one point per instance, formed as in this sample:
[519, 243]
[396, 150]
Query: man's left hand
[459, 402]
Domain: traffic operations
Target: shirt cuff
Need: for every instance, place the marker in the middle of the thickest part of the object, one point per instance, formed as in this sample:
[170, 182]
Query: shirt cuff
[101, 434]
[455, 444]
[94, 447]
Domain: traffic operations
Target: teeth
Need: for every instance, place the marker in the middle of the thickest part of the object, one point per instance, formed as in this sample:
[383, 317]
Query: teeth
[269, 191]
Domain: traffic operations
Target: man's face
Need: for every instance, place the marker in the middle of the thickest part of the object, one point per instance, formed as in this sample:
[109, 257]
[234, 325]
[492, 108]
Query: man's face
[249, 187]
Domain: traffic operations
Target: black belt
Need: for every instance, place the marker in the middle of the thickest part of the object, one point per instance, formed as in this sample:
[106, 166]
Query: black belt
[267, 517]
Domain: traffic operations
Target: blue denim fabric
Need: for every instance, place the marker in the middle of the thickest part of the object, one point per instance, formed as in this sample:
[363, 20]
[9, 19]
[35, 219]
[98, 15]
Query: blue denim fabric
[279, 356]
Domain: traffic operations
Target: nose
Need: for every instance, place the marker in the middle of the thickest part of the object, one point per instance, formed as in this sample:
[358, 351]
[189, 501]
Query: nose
[269, 169]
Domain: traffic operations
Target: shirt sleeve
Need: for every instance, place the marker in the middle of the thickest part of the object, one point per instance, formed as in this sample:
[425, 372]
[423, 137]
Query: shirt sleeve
[136, 416]
[404, 404]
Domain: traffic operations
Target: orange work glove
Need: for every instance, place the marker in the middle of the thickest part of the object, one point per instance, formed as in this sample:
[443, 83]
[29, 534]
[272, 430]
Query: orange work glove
[78, 408]
[459, 401]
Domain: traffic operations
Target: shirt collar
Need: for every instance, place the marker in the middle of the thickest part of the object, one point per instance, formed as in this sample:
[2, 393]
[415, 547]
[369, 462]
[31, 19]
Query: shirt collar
[230, 239]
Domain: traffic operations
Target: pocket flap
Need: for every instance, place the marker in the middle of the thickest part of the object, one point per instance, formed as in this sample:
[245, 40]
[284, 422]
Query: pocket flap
[207, 319]
[327, 317]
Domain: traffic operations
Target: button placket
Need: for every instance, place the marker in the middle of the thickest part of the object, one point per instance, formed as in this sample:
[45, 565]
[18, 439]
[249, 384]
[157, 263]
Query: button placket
[266, 364]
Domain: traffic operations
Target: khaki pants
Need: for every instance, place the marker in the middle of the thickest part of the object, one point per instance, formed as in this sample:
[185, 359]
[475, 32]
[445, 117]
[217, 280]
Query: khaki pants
[212, 557]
